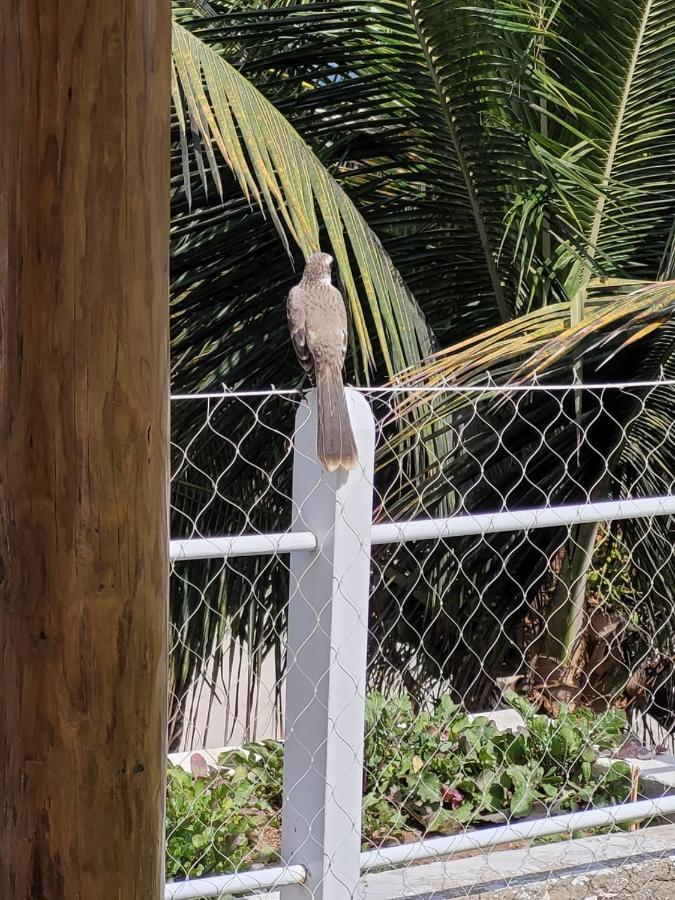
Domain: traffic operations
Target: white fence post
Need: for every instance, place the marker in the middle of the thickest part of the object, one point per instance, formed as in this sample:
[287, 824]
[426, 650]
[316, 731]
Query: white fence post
[325, 680]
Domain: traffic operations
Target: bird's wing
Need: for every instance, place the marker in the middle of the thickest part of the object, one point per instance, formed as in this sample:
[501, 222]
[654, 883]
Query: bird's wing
[341, 311]
[296, 310]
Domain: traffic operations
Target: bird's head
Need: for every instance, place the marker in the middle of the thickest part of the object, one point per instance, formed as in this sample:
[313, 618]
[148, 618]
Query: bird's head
[318, 267]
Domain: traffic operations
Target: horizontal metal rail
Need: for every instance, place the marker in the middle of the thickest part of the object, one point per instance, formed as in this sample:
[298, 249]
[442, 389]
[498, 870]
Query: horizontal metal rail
[430, 529]
[521, 520]
[433, 848]
[234, 883]
[242, 545]
[521, 831]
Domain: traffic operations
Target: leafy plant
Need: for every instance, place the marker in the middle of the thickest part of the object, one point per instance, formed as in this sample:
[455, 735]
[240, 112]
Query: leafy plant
[264, 762]
[442, 770]
[435, 771]
[217, 821]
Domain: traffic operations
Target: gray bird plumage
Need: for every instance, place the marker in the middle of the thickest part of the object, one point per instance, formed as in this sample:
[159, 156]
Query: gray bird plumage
[317, 319]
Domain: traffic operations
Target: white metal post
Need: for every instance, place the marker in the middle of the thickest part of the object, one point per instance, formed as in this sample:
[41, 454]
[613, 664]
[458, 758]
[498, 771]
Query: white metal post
[325, 680]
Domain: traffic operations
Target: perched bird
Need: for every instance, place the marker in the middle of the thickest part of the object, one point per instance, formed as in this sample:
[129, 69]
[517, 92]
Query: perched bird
[317, 319]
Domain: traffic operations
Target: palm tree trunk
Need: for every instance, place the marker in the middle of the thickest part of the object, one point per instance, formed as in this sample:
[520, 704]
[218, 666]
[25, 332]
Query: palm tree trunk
[566, 620]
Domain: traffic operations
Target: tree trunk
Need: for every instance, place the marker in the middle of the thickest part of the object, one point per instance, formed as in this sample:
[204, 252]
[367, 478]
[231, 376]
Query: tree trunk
[84, 463]
[568, 608]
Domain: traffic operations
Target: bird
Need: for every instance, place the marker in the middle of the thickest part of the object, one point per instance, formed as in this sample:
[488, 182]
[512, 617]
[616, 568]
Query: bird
[317, 320]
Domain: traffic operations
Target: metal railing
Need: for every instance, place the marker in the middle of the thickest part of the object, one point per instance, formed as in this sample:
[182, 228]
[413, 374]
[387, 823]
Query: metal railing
[332, 567]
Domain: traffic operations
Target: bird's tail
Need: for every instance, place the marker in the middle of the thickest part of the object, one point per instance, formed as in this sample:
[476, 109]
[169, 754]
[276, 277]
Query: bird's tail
[335, 444]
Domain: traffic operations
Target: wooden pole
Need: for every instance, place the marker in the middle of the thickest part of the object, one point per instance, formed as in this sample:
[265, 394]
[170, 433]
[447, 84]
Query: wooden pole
[84, 150]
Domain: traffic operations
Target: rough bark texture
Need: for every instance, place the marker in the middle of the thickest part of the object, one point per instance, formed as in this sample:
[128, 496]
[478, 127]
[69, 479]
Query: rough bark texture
[83, 432]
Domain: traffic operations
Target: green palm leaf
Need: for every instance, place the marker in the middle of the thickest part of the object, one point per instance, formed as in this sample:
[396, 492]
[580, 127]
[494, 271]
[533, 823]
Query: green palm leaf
[604, 74]
[621, 74]
[414, 106]
[638, 131]
[276, 169]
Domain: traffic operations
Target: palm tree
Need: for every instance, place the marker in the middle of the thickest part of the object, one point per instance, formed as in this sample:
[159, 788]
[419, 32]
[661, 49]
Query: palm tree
[502, 175]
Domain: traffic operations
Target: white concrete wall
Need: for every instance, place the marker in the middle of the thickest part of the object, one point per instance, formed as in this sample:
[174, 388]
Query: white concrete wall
[221, 714]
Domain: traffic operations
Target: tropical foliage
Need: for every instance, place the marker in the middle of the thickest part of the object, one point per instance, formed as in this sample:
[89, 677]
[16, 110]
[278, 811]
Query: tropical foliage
[496, 180]
[440, 772]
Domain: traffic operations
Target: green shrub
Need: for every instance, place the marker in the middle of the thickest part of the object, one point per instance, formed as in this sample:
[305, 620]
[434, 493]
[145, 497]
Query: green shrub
[216, 822]
[441, 771]
[437, 771]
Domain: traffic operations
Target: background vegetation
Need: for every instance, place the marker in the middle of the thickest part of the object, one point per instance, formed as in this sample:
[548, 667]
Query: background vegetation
[438, 772]
[495, 180]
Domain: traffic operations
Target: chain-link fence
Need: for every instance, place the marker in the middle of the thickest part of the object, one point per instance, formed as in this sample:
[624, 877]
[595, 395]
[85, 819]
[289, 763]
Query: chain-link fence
[478, 649]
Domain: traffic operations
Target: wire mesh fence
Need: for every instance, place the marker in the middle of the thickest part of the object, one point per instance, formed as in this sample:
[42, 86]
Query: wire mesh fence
[519, 627]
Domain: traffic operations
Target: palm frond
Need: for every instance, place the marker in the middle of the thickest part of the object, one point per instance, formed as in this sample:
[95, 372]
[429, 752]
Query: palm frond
[218, 108]
[413, 105]
[621, 322]
[525, 451]
[604, 75]
[503, 131]
[625, 71]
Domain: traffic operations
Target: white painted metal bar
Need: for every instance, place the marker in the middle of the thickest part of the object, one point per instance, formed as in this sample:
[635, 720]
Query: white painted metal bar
[429, 529]
[234, 883]
[266, 879]
[241, 545]
[521, 831]
[521, 520]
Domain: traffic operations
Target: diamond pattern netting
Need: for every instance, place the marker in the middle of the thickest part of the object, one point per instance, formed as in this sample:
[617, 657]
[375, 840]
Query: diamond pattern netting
[561, 636]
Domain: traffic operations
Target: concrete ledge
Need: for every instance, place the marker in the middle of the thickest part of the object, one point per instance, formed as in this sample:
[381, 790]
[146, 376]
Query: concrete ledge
[648, 880]
[210, 755]
[637, 864]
